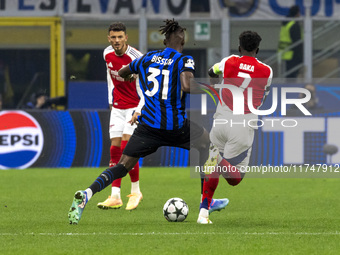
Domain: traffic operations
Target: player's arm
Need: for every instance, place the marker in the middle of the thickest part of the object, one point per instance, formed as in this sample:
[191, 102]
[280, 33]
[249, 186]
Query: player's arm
[141, 97]
[267, 86]
[127, 74]
[214, 71]
[140, 105]
[187, 67]
[134, 118]
[185, 78]
[189, 85]
[110, 87]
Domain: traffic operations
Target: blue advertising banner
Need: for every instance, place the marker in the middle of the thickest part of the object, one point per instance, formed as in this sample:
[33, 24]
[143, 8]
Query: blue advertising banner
[74, 138]
[53, 139]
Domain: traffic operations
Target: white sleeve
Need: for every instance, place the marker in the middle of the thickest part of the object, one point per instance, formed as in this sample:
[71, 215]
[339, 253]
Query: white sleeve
[269, 82]
[110, 86]
[134, 54]
[219, 67]
[267, 87]
[141, 97]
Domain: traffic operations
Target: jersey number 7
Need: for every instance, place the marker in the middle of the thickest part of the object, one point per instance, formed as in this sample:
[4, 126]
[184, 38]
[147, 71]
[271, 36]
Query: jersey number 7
[247, 79]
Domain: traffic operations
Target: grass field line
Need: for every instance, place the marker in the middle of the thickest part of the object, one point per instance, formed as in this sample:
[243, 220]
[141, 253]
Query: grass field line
[177, 233]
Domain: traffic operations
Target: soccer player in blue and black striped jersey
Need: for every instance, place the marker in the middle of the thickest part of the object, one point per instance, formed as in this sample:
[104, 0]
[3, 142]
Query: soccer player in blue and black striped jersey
[164, 77]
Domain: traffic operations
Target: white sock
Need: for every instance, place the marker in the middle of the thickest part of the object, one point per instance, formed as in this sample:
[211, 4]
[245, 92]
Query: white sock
[204, 213]
[135, 187]
[115, 192]
[89, 193]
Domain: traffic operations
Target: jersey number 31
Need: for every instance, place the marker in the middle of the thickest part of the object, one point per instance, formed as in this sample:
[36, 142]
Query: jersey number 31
[153, 73]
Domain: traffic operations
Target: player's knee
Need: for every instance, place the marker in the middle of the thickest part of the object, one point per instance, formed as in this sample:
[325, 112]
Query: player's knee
[118, 171]
[234, 181]
[234, 178]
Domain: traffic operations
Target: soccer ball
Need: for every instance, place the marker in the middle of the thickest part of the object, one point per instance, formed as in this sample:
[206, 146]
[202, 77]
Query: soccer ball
[175, 210]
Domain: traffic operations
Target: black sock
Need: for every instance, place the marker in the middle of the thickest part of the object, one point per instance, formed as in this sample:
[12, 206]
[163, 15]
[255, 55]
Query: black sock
[202, 174]
[107, 177]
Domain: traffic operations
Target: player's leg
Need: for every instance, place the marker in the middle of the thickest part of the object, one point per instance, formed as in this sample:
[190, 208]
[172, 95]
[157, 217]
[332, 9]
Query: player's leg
[235, 145]
[201, 145]
[141, 144]
[134, 172]
[82, 197]
[114, 201]
[198, 139]
[135, 196]
[236, 154]
[117, 123]
[211, 180]
[218, 136]
[211, 184]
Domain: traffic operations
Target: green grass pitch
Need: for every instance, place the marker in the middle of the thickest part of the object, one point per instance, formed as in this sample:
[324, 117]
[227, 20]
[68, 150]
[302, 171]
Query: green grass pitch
[264, 216]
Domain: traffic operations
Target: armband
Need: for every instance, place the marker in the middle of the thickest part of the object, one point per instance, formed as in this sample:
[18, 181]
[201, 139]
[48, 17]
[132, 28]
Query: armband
[211, 73]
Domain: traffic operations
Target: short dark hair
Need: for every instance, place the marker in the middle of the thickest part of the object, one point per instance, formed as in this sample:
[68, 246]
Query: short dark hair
[171, 27]
[250, 40]
[117, 26]
[293, 11]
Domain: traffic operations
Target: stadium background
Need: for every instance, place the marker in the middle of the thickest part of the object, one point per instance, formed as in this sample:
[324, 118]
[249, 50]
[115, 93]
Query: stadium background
[57, 46]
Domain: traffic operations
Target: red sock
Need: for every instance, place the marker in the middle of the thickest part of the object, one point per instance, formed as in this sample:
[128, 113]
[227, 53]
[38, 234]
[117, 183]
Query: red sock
[116, 153]
[232, 175]
[209, 187]
[134, 172]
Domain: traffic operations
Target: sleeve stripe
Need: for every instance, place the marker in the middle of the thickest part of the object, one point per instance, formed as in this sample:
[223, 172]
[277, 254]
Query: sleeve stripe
[133, 52]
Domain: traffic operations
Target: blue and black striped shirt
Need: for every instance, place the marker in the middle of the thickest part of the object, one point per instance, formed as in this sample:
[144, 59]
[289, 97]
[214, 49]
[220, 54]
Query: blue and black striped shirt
[159, 75]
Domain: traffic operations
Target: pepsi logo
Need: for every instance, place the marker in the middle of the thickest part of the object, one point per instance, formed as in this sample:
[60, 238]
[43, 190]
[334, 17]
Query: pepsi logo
[21, 140]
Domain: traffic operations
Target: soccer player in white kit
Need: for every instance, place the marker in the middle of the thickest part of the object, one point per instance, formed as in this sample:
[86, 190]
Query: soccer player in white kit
[125, 99]
[232, 134]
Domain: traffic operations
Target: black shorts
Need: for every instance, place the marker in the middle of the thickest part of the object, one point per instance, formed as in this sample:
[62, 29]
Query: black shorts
[146, 140]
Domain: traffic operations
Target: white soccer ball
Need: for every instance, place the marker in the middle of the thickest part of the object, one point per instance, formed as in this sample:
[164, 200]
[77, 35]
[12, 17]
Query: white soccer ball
[175, 210]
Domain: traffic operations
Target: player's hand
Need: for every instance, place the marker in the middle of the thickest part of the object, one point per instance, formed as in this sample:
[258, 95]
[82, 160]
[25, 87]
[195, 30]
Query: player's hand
[134, 119]
[130, 77]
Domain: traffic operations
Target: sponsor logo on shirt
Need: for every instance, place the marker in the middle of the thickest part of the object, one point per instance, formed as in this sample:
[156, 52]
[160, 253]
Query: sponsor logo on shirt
[115, 75]
[190, 63]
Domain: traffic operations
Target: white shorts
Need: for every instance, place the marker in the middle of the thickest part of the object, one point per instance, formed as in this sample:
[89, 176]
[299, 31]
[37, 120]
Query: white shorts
[119, 122]
[234, 143]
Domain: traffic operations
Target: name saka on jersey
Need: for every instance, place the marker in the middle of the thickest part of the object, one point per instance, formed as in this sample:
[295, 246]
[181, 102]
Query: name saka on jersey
[246, 67]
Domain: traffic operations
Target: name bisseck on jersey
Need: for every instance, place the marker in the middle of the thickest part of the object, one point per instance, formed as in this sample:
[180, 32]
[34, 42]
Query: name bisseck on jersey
[162, 61]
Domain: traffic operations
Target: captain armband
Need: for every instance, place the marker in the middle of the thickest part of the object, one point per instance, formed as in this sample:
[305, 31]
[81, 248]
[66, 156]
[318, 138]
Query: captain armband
[211, 73]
